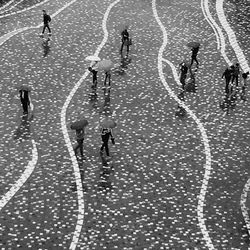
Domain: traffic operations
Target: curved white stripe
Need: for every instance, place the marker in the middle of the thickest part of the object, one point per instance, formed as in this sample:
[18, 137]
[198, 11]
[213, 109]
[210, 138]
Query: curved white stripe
[6, 5]
[243, 200]
[7, 36]
[20, 11]
[215, 26]
[201, 198]
[78, 180]
[13, 6]
[231, 36]
[25, 175]
[210, 20]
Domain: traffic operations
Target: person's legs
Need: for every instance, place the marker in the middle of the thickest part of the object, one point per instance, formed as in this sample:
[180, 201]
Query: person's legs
[25, 107]
[44, 26]
[80, 145]
[122, 46]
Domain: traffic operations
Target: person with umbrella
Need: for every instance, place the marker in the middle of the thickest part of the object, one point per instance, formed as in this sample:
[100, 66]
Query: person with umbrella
[183, 73]
[79, 127]
[25, 98]
[106, 65]
[227, 74]
[106, 133]
[93, 69]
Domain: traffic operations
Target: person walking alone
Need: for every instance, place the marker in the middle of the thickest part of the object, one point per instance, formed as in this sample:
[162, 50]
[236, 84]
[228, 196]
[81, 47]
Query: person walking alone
[25, 100]
[79, 138]
[106, 133]
[125, 39]
[195, 51]
[46, 21]
[183, 73]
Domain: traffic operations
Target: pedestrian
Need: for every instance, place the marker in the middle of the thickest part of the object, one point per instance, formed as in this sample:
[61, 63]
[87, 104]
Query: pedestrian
[227, 74]
[125, 39]
[195, 51]
[46, 21]
[183, 73]
[106, 133]
[79, 138]
[107, 78]
[25, 100]
[244, 76]
[94, 72]
[235, 74]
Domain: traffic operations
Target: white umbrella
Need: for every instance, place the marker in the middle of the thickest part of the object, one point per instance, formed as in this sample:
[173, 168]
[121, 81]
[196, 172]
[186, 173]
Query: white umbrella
[93, 58]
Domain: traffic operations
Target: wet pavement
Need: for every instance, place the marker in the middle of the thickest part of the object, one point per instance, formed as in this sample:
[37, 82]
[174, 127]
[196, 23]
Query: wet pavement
[146, 195]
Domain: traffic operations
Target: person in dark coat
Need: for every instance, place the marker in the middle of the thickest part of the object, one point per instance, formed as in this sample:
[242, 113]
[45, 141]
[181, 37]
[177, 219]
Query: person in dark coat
[125, 39]
[227, 74]
[79, 138]
[183, 73]
[235, 74]
[106, 133]
[25, 100]
[194, 55]
[46, 21]
[94, 72]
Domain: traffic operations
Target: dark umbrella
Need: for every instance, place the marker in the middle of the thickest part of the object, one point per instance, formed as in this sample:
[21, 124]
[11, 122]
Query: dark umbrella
[193, 44]
[79, 124]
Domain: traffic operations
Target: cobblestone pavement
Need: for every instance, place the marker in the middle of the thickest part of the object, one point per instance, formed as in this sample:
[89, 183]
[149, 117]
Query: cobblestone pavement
[146, 196]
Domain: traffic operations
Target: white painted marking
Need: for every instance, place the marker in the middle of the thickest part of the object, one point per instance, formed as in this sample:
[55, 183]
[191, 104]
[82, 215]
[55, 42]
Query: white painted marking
[231, 36]
[20, 11]
[6, 5]
[78, 180]
[201, 197]
[219, 34]
[7, 36]
[243, 200]
[25, 175]
[13, 6]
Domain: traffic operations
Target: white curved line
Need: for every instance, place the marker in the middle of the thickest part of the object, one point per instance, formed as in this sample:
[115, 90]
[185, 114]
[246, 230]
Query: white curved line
[210, 20]
[216, 29]
[13, 6]
[6, 5]
[78, 180]
[20, 11]
[7, 36]
[25, 175]
[208, 168]
[231, 36]
[244, 210]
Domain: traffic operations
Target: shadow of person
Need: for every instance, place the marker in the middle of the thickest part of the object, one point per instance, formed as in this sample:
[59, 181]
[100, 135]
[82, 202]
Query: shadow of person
[106, 109]
[180, 112]
[46, 48]
[23, 130]
[125, 61]
[105, 183]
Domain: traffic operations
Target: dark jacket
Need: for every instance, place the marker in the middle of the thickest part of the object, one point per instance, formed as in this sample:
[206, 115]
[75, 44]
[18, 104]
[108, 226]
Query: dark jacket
[46, 18]
[125, 35]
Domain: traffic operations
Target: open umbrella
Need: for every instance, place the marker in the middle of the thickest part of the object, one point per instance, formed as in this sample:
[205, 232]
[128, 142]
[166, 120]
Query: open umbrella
[108, 123]
[105, 65]
[93, 58]
[193, 44]
[24, 87]
[79, 124]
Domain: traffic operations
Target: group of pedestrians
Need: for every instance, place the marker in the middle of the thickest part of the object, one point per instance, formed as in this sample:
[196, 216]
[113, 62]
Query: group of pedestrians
[106, 132]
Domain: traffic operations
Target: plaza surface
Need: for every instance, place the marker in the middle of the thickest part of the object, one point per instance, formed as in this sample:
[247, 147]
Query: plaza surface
[172, 182]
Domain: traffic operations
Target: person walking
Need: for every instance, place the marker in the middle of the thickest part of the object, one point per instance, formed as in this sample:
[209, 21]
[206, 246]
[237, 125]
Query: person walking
[183, 73]
[94, 73]
[107, 78]
[195, 51]
[25, 100]
[227, 74]
[79, 138]
[106, 133]
[46, 21]
[125, 39]
[235, 74]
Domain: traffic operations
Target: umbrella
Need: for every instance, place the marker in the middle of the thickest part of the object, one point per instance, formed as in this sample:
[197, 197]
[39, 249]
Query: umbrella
[93, 58]
[79, 124]
[193, 44]
[105, 65]
[24, 87]
[108, 123]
